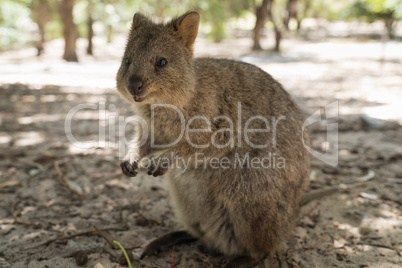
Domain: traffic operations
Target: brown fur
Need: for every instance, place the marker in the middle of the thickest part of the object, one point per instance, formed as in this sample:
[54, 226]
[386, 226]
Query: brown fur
[236, 211]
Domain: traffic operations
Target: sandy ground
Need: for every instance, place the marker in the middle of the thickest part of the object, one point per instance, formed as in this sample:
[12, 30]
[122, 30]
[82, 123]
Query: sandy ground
[54, 196]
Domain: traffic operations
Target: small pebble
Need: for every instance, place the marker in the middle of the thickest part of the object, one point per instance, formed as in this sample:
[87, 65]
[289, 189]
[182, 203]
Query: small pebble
[136, 256]
[81, 258]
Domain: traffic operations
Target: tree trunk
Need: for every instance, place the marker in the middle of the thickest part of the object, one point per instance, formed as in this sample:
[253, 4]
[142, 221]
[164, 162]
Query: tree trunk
[299, 21]
[291, 12]
[389, 25]
[300, 17]
[90, 23]
[41, 15]
[277, 28]
[261, 14]
[69, 30]
[278, 38]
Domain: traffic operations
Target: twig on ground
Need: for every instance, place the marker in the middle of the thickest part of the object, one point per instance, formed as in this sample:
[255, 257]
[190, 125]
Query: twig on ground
[384, 246]
[65, 181]
[18, 220]
[102, 178]
[27, 162]
[387, 198]
[104, 175]
[84, 233]
[105, 237]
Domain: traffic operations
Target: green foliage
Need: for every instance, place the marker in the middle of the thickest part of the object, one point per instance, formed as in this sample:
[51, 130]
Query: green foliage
[216, 14]
[15, 24]
[322, 9]
[18, 17]
[388, 11]
[116, 15]
[373, 10]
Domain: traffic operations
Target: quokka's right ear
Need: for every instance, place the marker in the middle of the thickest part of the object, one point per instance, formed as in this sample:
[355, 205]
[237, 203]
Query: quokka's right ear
[187, 27]
[139, 19]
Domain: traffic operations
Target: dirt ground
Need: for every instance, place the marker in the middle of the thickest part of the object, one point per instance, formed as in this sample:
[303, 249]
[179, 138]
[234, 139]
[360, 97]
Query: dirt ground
[61, 204]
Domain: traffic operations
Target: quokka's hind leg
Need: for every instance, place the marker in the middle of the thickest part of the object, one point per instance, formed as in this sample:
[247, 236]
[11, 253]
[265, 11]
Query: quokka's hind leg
[167, 240]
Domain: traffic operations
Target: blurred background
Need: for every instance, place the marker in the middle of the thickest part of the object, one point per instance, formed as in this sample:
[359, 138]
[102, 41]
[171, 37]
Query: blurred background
[37, 22]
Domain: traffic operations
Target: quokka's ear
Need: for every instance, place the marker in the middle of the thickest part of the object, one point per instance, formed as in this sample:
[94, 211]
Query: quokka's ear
[187, 27]
[139, 19]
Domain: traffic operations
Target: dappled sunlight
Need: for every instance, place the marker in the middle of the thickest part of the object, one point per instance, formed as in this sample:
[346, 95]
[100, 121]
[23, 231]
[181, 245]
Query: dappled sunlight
[90, 112]
[385, 112]
[383, 225]
[388, 221]
[5, 138]
[29, 138]
[38, 118]
[87, 147]
[32, 235]
[384, 220]
[23, 66]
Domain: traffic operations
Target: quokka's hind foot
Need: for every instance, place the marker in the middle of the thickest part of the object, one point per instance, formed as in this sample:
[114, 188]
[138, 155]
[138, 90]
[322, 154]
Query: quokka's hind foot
[242, 262]
[168, 240]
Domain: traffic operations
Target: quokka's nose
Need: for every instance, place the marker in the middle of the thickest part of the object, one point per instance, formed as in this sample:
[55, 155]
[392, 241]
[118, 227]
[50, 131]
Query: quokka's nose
[135, 85]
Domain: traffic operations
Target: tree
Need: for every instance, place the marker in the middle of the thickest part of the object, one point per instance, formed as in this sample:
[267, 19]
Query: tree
[263, 13]
[291, 12]
[389, 11]
[69, 30]
[302, 10]
[90, 22]
[41, 14]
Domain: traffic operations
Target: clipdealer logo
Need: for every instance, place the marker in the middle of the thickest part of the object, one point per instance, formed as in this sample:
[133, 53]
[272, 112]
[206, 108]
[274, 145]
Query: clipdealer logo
[110, 123]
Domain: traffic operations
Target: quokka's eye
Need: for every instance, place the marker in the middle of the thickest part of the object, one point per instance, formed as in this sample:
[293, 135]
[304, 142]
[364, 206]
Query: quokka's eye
[127, 61]
[161, 62]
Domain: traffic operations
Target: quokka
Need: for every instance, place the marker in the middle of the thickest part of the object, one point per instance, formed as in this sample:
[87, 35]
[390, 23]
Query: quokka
[245, 212]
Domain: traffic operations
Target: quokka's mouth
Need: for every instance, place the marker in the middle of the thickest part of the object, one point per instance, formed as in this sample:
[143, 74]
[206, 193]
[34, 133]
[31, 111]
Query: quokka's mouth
[138, 99]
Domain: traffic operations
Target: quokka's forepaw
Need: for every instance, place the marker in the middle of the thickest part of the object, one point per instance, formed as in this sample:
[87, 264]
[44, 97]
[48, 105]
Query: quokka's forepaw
[156, 170]
[129, 169]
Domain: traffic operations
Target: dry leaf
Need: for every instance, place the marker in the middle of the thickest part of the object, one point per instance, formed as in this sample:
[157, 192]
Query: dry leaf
[344, 187]
[75, 186]
[99, 265]
[369, 176]
[339, 243]
[369, 196]
[9, 184]
[313, 176]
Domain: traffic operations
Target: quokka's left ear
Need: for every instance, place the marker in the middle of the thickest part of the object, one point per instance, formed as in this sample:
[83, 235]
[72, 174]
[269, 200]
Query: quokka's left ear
[139, 19]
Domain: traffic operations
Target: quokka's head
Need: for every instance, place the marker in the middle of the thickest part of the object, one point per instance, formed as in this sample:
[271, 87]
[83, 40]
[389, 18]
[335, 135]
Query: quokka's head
[157, 65]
